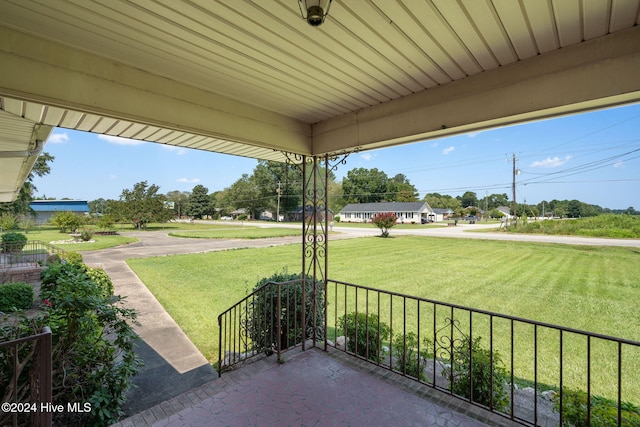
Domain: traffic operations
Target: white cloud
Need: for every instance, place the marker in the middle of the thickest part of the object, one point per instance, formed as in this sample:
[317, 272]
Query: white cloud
[473, 134]
[550, 163]
[367, 156]
[178, 150]
[189, 181]
[120, 141]
[619, 164]
[448, 150]
[58, 138]
[433, 144]
[112, 177]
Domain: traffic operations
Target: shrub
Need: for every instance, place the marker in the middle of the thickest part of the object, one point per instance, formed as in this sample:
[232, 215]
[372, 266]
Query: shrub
[93, 356]
[86, 234]
[361, 332]
[604, 412]
[72, 257]
[406, 357]
[8, 221]
[262, 321]
[16, 296]
[485, 391]
[384, 221]
[66, 221]
[26, 223]
[105, 222]
[13, 242]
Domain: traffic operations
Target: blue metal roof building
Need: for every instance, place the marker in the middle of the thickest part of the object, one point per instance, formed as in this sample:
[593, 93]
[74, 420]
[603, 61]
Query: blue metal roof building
[45, 209]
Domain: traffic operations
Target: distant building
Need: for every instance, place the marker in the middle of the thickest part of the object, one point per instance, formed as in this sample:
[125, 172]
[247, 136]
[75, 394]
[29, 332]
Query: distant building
[409, 212]
[45, 209]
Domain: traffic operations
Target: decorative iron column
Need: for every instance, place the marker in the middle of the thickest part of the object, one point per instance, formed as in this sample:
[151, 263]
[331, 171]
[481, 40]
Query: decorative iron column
[315, 235]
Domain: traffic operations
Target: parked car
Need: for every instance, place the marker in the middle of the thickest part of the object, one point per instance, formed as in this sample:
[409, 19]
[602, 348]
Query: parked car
[226, 218]
[425, 220]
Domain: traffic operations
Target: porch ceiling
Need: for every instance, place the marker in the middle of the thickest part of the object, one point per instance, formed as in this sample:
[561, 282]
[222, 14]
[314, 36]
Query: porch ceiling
[252, 78]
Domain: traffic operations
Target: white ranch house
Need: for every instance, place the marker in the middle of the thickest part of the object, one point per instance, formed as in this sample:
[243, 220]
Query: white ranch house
[407, 212]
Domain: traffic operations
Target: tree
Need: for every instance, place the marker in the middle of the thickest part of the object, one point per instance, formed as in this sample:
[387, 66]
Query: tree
[400, 189]
[143, 205]
[469, 198]
[436, 200]
[21, 205]
[363, 185]
[242, 194]
[270, 176]
[384, 221]
[198, 203]
[179, 199]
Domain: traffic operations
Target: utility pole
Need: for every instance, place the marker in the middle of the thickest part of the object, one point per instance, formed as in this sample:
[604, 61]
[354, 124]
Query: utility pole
[515, 206]
[278, 209]
[486, 214]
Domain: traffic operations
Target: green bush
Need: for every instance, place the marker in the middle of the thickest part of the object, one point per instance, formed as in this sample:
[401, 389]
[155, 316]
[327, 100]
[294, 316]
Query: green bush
[8, 221]
[93, 356]
[16, 296]
[13, 242]
[72, 257]
[483, 372]
[26, 223]
[604, 412]
[406, 357]
[66, 221]
[86, 234]
[263, 319]
[361, 332]
[105, 222]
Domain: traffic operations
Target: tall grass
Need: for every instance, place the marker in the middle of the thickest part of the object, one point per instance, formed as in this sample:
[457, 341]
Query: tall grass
[610, 225]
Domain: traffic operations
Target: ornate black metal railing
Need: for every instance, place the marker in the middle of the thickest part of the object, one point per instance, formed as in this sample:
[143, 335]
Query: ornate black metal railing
[25, 375]
[529, 372]
[25, 254]
[273, 318]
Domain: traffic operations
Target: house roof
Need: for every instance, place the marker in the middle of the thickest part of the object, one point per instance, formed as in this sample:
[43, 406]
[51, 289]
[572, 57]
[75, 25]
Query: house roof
[386, 207]
[442, 210]
[59, 205]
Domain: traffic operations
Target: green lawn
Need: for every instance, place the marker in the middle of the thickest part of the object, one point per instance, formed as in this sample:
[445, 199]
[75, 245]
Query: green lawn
[238, 232]
[51, 234]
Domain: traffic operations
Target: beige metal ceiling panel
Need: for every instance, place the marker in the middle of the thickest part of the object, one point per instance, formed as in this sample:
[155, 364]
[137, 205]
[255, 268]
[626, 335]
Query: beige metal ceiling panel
[624, 13]
[52, 116]
[104, 125]
[568, 16]
[379, 36]
[12, 106]
[119, 127]
[543, 26]
[33, 112]
[147, 133]
[517, 27]
[464, 27]
[70, 119]
[596, 18]
[418, 34]
[87, 122]
[133, 131]
[488, 23]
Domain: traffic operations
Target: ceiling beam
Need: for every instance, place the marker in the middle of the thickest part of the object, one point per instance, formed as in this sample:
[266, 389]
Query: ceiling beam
[595, 74]
[39, 70]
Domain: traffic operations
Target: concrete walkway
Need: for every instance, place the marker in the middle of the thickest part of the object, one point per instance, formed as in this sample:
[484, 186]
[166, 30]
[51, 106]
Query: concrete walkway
[173, 365]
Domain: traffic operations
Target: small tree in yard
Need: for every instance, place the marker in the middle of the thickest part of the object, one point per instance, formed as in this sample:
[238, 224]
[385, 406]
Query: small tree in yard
[384, 221]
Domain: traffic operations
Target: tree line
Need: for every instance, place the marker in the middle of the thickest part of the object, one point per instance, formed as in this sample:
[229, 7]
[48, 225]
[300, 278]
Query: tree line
[277, 187]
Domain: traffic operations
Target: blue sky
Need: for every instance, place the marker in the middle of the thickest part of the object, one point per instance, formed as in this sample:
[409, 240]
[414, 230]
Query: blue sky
[593, 157]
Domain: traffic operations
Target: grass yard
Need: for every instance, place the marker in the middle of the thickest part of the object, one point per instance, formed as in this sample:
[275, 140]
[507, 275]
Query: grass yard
[238, 232]
[589, 288]
[52, 234]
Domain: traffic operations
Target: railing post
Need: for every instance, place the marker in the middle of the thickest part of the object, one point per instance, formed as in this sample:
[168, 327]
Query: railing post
[279, 327]
[44, 388]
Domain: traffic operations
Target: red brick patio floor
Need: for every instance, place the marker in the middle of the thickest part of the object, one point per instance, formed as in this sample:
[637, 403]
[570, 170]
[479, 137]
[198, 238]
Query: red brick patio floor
[313, 388]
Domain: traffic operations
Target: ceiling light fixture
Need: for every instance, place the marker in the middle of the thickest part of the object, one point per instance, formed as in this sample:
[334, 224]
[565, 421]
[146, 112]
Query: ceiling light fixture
[314, 11]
